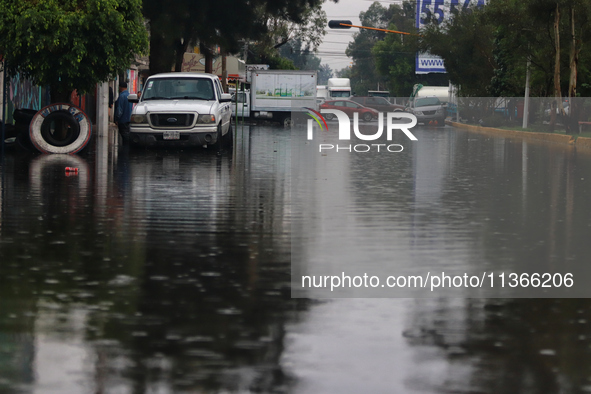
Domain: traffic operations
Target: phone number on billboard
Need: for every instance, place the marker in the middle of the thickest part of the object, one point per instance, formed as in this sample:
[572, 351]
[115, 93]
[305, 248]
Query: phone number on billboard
[442, 9]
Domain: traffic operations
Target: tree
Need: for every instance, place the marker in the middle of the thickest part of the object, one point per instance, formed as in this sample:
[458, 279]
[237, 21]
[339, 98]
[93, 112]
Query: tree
[324, 73]
[465, 42]
[395, 54]
[383, 59]
[363, 71]
[224, 23]
[303, 58]
[290, 45]
[300, 54]
[70, 45]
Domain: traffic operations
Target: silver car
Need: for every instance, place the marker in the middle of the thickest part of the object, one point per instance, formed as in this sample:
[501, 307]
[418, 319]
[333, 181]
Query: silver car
[428, 110]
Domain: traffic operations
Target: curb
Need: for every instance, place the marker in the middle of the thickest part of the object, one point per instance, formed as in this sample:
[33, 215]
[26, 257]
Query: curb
[580, 142]
[583, 142]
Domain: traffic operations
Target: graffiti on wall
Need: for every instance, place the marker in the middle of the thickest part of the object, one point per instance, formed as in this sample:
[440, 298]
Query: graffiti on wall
[24, 94]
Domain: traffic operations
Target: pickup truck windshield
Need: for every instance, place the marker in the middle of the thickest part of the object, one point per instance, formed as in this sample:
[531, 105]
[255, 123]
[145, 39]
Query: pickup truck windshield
[179, 89]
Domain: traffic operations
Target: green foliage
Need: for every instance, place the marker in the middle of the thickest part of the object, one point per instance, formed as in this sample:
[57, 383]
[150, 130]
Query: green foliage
[466, 45]
[227, 23]
[324, 73]
[363, 71]
[303, 58]
[395, 58]
[384, 59]
[300, 54]
[486, 50]
[71, 44]
[257, 55]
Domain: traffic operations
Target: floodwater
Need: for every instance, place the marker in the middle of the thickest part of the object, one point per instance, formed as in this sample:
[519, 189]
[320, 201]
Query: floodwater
[169, 271]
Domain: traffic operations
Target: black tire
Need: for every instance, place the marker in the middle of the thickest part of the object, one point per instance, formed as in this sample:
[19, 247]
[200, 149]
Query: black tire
[228, 138]
[60, 128]
[440, 122]
[329, 116]
[367, 117]
[219, 142]
[287, 121]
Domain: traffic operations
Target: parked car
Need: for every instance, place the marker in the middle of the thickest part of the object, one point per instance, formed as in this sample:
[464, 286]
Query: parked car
[349, 107]
[428, 110]
[181, 109]
[380, 104]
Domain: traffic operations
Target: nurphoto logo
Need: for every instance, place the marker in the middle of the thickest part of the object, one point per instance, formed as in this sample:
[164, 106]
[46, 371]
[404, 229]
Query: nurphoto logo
[392, 123]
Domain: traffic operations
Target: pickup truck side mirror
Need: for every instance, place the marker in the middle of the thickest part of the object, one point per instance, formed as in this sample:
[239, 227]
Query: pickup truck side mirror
[225, 98]
[133, 98]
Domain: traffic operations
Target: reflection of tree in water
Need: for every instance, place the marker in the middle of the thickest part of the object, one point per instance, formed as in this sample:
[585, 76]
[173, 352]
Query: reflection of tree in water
[183, 277]
[530, 220]
[511, 346]
[518, 208]
[213, 292]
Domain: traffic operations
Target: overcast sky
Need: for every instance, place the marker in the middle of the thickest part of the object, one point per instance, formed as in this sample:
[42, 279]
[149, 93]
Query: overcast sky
[332, 50]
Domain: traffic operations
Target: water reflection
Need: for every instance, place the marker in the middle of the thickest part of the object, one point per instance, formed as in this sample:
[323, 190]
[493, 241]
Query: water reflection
[459, 200]
[158, 271]
[147, 271]
[451, 202]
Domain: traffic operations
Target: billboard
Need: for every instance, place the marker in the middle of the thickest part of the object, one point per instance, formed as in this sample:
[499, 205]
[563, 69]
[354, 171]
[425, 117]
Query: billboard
[442, 10]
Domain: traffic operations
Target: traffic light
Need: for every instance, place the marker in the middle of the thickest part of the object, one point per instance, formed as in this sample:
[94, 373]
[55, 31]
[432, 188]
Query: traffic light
[339, 24]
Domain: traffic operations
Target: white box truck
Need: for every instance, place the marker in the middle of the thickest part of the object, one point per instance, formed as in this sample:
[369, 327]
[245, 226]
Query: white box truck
[339, 88]
[441, 92]
[276, 93]
[322, 92]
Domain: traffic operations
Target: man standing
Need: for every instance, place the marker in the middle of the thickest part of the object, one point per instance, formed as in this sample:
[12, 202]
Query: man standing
[123, 112]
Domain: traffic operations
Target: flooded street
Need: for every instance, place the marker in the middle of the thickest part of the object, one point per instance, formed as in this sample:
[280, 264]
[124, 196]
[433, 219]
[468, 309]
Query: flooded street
[154, 271]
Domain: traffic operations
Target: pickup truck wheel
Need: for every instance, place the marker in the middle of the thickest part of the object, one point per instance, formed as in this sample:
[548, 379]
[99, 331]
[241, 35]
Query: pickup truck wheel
[228, 138]
[219, 138]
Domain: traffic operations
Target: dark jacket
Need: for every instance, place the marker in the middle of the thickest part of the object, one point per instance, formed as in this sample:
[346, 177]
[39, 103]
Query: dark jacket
[123, 108]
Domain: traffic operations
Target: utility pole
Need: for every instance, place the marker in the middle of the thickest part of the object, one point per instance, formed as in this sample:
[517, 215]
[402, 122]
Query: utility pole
[224, 72]
[526, 103]
[4, 106]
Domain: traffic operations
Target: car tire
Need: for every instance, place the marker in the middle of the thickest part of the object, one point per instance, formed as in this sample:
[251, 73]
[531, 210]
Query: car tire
[74, 134]
[228, 138]
[367, 117]
[329, 116]
[219, 140]
[287, 121]
[440, 122]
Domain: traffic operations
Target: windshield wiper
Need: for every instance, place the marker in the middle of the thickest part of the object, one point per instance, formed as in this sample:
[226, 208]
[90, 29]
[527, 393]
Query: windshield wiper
[157, 98]
[190, 98]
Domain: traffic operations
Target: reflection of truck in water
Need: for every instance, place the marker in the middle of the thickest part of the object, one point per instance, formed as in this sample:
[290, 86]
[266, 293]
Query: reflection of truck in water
[339, 88]
[274, 94]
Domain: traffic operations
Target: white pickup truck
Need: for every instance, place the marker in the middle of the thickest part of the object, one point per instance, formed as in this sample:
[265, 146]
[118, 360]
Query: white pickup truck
[181, 109]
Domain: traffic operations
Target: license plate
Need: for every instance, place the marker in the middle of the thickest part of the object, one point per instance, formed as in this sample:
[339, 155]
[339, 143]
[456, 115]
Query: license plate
[172, 135]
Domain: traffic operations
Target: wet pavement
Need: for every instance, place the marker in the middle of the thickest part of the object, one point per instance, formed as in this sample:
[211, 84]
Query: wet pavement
[153, 271]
